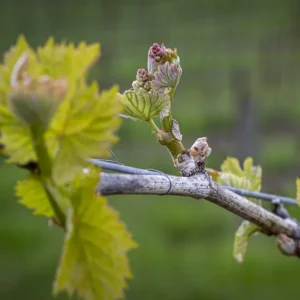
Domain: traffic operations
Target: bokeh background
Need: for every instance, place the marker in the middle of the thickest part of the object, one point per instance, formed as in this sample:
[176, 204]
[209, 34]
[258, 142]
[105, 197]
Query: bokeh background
[240, 88]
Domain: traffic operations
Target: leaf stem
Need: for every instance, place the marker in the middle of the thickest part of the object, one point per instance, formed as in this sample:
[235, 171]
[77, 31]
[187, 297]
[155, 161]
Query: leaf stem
[45, 165]
[174, 146]
[153, 126]
[44, 161]
[56, 208]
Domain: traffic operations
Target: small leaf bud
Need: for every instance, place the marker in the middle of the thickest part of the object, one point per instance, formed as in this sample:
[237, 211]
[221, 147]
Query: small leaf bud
[200, 149]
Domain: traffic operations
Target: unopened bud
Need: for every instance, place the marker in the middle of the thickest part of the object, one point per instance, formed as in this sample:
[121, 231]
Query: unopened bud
[158, 52]
[37, 102]
[156, 56]
[34, 101]
[141, 75]
[135, 85]
[164, 66]
[200, 149]
[147, 86]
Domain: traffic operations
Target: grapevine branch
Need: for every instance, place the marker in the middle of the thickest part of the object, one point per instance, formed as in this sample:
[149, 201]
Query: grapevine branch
[118, 167]
[199, 186]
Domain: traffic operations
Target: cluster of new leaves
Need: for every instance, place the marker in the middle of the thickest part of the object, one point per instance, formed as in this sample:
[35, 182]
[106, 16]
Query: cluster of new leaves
[248, 178]
[152, 92]
[53, 120]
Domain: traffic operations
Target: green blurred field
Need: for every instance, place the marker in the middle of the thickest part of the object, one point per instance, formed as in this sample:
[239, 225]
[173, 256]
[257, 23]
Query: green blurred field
[240, 88]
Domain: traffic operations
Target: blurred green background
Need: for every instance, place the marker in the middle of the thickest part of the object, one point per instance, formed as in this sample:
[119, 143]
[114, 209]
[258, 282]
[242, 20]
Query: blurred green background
[240, 88]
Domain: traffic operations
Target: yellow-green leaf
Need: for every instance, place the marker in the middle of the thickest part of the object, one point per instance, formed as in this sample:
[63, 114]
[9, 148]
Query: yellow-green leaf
[298, 191]
[10, 59]
[63, 59]
[242, 235]
[248, 178]
[57, 63]
[232, 165]
[83, 127]
[54, 61]
[94, 263]
[16, 138]
[33, 196]
[143, 105]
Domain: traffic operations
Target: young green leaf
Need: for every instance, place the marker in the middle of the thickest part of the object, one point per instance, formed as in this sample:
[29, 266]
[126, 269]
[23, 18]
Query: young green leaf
[143, 105]
[248, 178]
[232, 165]
[298, 191]
[167, 76]
[33, 196]
[253, 173]
[94, 263]
[242, 235]
[16, 138]
[83, 127]
[58, 60]
[10, 59]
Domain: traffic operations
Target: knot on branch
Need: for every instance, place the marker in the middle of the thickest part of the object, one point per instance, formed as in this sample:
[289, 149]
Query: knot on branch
[192, 161]
[187, 165]
[286, 245]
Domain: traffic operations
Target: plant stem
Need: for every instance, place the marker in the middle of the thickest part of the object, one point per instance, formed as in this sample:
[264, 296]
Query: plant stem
[56, 208]
[175, 148]
[45, 165]
[153, 126]
[44, 161]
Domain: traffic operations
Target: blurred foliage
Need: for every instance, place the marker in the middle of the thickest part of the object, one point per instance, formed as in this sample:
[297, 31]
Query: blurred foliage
[247, 178]
[240, 88]
[94, 264]
[50, 114]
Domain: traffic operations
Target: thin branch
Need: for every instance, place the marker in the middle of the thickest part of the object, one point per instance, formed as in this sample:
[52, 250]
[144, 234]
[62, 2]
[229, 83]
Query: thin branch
[199, 186]
[117, 167]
